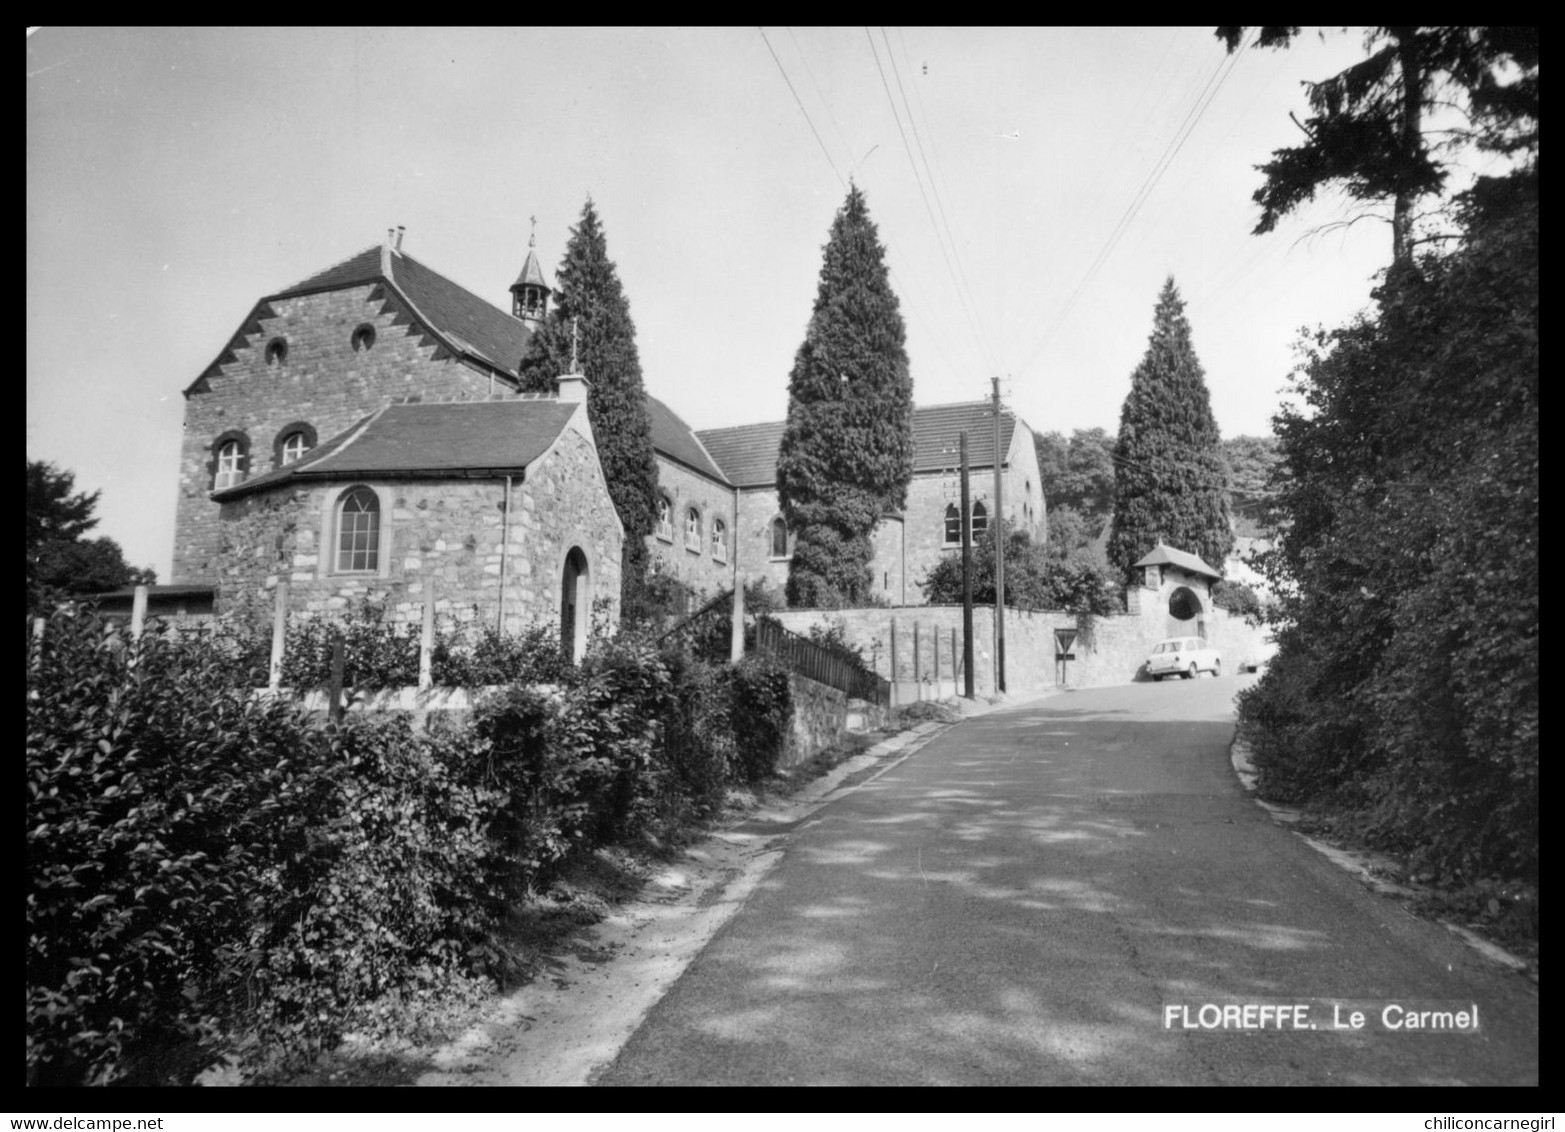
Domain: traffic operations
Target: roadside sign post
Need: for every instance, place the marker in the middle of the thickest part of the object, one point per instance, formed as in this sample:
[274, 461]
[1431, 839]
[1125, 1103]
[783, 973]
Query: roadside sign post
[1064, 640]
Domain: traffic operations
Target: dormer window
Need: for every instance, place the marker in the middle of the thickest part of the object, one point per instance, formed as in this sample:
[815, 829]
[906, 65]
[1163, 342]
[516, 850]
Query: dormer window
[276, 351]
[363, 337]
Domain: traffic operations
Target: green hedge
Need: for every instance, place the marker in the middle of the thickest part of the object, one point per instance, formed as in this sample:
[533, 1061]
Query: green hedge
[205, 863]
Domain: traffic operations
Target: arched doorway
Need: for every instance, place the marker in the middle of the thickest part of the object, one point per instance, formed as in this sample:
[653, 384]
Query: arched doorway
[1186, 614]
[575, 605]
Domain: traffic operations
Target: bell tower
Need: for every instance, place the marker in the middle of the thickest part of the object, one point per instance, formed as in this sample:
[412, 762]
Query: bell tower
[530, 294]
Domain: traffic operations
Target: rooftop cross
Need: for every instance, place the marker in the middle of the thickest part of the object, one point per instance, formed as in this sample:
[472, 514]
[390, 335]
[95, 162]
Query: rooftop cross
[532, 237]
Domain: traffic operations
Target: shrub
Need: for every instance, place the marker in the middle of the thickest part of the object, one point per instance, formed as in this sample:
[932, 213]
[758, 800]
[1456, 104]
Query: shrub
[1237, 598]
[197, 861]
[697, 749]
[494, 658]
[389, 892]
[151, 776]
[375, 654]
[761, 714]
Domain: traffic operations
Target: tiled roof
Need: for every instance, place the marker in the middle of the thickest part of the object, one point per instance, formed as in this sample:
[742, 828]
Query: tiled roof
[748, 453]
[447, 439]
[1163, 555]
[497, 337]
[674, 438]
[361, 268]
[472, 324]
[937, 431]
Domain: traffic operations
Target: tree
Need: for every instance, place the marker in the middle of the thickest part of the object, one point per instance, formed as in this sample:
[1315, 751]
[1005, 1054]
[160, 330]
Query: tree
[1405, 689]
[1254, 466]
[60, 562]
[1170, 481]
[590, 298]
[1368, 131]
[1077, 473]
[1034, 578]
[846, 456]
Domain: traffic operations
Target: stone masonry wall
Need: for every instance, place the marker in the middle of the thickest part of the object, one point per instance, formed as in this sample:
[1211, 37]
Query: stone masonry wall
[445, 537]
[323, 382]
[757, 508]
[820, 715]
[701, 569]
[1115, 653]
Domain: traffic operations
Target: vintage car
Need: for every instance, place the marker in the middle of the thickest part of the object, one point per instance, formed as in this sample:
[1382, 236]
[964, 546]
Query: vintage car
[1184, 656]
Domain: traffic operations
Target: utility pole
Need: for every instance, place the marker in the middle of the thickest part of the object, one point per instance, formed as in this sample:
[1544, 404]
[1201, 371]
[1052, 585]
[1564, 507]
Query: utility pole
[998, 522]
[967, 581]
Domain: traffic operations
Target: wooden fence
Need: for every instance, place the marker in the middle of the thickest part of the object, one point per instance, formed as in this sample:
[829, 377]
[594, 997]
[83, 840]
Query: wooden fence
[836, 668]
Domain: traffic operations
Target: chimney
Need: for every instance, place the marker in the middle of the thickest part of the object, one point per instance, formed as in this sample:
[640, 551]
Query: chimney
[573, 388]
[398, 245]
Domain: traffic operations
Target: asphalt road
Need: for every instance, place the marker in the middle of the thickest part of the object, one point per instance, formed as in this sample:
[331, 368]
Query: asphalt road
[1018, 903]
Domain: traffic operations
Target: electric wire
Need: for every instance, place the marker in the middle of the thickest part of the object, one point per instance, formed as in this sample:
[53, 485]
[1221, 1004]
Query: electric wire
[1209, 92]
[950, 270]
[808, 120]
[826, 153]
[966, 284]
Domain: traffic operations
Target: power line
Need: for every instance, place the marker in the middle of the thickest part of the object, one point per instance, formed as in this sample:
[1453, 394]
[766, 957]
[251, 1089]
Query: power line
[977, 333]
[907, 292]
[966, 284]
[1170, 151]
[826, 102]
[802, 110]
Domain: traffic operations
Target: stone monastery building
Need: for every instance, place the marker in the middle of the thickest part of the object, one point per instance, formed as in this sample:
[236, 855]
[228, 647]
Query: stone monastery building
[362, 434]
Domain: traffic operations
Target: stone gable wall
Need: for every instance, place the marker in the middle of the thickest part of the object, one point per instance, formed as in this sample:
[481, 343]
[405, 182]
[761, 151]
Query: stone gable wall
[445, 539]
[323, 382]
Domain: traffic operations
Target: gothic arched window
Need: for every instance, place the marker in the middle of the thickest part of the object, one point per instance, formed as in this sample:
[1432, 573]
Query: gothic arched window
[358, 532]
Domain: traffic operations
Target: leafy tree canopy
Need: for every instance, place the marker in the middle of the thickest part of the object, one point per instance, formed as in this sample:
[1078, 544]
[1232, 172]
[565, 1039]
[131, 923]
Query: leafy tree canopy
[60, 562]
[590, 298]
[1368, 132]
[1405, 690]
[1077, 473]
[846, 456]
[1034, 579]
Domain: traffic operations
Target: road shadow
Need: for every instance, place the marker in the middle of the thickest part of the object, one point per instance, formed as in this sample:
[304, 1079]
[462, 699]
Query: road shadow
[1022, 906]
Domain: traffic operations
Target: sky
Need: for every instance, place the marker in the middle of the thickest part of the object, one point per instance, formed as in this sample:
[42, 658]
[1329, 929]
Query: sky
[1034, 189]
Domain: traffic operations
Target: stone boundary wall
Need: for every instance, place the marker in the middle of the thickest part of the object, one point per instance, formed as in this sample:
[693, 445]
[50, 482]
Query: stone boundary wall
[1115, 653]
[820, 715]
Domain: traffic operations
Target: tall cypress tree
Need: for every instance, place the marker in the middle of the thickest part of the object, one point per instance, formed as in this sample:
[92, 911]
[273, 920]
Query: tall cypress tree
[847, 449]
[1170, 481]
[588, 290]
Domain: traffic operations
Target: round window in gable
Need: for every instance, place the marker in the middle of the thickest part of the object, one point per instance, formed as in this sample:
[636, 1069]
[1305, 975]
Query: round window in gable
[276, 351]
[363, 336]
